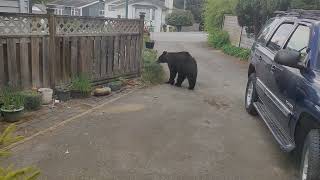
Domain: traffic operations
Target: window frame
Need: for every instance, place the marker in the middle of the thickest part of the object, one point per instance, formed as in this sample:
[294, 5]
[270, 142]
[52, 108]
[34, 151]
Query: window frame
[295, 29]
[276, 30]
[277, 22]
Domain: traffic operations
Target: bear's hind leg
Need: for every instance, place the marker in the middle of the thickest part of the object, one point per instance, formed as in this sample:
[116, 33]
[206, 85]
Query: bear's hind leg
[181, 78]
[173, 75]
[192, 82]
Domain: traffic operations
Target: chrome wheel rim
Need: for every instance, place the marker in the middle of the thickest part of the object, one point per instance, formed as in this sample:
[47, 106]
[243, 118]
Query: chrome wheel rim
[305, 166]
[249, 93]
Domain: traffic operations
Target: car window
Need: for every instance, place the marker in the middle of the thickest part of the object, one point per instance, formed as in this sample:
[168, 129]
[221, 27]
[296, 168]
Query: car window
[267, 30]
[300, 40]
[280, 37]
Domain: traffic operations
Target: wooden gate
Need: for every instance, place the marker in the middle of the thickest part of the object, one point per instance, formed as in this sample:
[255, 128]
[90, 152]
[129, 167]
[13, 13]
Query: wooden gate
[49, 50]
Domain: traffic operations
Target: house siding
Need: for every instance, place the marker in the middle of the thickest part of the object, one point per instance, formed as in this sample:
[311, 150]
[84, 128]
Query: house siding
[14, 6]
[93, 10]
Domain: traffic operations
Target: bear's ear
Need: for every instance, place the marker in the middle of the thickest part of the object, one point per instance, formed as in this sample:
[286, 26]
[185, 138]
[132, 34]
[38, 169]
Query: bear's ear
[165, 53]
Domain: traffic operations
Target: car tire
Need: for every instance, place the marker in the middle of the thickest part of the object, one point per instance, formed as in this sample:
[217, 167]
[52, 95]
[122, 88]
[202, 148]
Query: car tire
[310, 161]
[251, 95]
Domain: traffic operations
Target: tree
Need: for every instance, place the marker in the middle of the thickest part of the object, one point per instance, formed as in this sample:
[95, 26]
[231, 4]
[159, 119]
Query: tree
[214, 12]
[179, 18]
[254, 13]
[305, 4]
[195, 6]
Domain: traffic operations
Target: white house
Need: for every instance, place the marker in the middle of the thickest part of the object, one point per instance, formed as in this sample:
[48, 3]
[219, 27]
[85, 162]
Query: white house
[155, 11]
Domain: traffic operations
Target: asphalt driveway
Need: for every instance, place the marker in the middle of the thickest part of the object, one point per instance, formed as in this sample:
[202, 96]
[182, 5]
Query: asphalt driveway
[167, 132]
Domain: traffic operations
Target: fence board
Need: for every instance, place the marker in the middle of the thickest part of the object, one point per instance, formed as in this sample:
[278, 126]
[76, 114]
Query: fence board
[45, 63]
[2, 68]
[110, 57]
[57, 68]
[116, 56]
[12, 62]
[65, 58]
[103, 63]
[97, 56]
[90, 57]
[138, 55]
[132, 54]
[122, 54]
[35, 63]
[24, 64]
[83, 54]
[74, 56]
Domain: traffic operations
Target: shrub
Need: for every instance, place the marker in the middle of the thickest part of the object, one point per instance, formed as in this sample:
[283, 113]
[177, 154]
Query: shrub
[32, 100]
[11, 99]
[152, 71]
[179, 18]
[218, 38]
[81, 84]
[241, 53]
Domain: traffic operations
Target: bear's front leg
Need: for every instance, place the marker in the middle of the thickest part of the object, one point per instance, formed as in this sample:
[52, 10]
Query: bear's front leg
[173, 75]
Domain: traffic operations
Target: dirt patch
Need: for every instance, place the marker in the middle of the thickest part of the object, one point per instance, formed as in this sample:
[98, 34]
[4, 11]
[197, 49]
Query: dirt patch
[118, 109]
[217, 102]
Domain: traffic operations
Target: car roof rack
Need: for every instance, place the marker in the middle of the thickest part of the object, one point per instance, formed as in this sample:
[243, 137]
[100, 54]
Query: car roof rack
[300, 13]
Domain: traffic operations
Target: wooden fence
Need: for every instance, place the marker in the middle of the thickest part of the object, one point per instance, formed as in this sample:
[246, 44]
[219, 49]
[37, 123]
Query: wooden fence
[48, 50]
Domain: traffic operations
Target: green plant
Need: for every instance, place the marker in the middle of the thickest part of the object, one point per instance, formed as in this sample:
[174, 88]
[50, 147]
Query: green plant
[179, 18]
[153, 72]
[218, 38]
[214, 11]
[11, 99]
[32, 99]
[254, 13]
[241, 53]
[81, 83]
[8, 173]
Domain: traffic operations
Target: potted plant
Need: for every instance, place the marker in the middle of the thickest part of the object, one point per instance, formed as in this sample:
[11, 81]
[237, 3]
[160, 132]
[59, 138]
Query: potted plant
[81, 87]
[13, 106]
[32, 100]
[115, 85]
[148, 42]
[63, 93]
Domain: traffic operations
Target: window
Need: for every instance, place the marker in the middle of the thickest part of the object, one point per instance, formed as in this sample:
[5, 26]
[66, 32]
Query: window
[101, 12]
[280, 37]
[75, 12]
[58, 11]
[300, 40]
[267, 30]
[111, 8]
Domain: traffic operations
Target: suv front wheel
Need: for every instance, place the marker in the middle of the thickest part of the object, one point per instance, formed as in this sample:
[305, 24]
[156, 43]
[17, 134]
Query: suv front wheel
[251, 95]
[310, 163]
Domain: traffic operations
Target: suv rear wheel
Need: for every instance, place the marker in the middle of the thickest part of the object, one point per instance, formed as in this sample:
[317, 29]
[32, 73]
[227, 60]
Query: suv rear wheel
[251, 95]
[310, 163]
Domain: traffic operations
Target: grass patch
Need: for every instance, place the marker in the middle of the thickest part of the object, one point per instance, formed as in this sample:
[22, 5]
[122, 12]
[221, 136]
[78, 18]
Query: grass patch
[220, 40]
[241, 53]
[153, 72]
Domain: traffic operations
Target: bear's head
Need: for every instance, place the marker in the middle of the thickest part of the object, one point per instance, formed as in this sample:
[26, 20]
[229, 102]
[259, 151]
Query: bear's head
[163, 58]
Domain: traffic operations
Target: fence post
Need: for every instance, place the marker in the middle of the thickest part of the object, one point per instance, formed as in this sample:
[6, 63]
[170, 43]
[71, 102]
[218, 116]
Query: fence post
[52, 50]
[142, 15]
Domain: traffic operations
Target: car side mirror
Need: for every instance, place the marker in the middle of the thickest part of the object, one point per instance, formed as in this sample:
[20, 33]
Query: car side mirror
[290, 58]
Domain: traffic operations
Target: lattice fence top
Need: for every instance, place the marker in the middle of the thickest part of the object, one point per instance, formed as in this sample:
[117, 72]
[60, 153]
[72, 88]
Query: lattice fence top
[11, 24]
[90, 26]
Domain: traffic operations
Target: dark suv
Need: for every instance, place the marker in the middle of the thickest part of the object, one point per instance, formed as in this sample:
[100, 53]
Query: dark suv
[284, 85]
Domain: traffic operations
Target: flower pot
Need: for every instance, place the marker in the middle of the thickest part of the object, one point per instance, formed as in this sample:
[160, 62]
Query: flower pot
[150, 45]
[102, 91]
[79, 94]
[46, 95]
[12, 116]
[63, 94]
[115, 86]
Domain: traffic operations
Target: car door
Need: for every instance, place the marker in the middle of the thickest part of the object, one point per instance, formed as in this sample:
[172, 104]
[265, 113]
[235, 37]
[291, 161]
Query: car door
[266, 82]
[285, 78]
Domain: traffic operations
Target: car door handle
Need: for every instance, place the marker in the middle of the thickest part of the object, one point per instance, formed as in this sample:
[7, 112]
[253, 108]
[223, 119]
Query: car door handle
[273, 68]
[260, 58]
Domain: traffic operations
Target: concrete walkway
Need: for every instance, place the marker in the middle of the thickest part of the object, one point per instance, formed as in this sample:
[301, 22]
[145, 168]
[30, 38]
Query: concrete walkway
[167, 132]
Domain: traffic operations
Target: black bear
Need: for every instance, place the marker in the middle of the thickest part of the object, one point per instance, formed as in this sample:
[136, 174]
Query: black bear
[183, 64]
